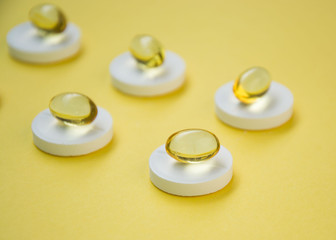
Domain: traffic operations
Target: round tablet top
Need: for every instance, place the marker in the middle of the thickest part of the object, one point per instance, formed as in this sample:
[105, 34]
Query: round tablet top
[147, 50]
[192, 145]
[48, 17]
[252, 84]
[73, 108]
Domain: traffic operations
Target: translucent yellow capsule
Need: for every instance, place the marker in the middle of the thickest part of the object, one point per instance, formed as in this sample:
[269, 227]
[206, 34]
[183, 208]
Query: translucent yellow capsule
[48, 17]
[192, 145]
[252, 84]
[73, 108]
[147, 50]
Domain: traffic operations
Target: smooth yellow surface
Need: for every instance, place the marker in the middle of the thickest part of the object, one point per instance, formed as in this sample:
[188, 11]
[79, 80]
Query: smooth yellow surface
[284, 179]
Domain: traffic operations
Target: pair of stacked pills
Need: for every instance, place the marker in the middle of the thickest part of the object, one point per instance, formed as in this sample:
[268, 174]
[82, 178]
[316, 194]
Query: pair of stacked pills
[191, 163]
[204, 165]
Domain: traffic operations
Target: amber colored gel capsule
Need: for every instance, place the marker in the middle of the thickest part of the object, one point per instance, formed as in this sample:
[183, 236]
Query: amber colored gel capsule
[192, 145]
[73, 108]
[252, 84]
[147, 50]
[48, 18]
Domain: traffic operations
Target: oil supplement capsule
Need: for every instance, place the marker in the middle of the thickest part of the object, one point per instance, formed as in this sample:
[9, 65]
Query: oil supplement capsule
[252, 84]
[73, 108]
[147, 50]
[192, 145]
[48, 17]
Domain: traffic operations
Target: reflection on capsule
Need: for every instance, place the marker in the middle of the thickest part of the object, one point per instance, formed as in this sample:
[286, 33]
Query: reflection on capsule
[252, 84]
[192, 145]
[147, 50]
[73, 108]
[48, 18]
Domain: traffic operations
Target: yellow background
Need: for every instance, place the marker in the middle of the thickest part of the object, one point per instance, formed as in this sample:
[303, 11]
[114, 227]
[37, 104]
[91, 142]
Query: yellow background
[284, 184]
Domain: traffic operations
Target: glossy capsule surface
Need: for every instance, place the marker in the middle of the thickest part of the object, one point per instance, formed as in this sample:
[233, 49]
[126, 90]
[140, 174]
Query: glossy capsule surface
[252, 84]
[147, 50]
[48, 18]
[73, 108]
[192, 145]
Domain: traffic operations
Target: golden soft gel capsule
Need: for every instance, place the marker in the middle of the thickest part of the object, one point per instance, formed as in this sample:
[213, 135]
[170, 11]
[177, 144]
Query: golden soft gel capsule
[147, 50]
[73, 108]
[252, 84]
[192, 145]
[48, 17]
